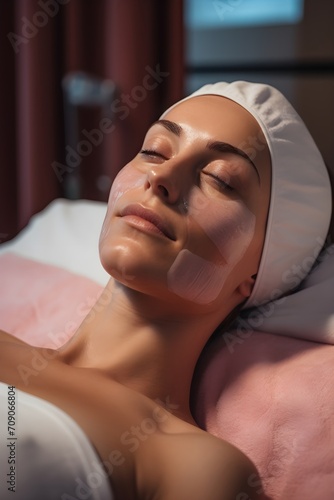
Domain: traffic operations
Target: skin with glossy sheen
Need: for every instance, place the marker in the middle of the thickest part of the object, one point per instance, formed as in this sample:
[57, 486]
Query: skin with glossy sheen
[182, 239]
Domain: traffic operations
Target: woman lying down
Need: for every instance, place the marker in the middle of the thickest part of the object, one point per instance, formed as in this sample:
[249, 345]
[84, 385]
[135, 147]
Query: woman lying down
[227, 193]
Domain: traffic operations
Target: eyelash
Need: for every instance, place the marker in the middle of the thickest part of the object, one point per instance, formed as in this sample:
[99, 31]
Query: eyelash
[151, 152]
[222, 184]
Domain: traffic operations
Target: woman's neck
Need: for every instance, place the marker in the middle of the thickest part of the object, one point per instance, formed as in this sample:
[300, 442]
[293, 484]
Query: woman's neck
[133, 340]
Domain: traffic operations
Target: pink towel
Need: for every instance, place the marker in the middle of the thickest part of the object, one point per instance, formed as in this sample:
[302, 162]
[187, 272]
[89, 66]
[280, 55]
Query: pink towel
[273, 398]
[43, 304]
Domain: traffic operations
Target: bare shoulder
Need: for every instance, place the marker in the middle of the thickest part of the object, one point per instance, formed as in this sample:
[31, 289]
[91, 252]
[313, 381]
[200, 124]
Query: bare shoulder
[19, 360]
[12, 350]
[227, 474]
[7, 337]
[200, 466]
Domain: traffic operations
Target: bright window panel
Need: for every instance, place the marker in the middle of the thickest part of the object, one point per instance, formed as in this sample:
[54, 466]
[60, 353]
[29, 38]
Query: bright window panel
[233, 13]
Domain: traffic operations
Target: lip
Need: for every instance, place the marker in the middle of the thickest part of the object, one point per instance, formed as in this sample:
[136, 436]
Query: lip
[156, 224]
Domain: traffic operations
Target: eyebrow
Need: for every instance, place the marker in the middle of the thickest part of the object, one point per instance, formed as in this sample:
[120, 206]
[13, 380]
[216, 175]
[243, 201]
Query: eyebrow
[219, 146]
[173, 127]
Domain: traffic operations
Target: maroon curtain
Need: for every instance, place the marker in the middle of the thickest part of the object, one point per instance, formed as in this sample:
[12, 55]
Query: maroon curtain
[138, 45]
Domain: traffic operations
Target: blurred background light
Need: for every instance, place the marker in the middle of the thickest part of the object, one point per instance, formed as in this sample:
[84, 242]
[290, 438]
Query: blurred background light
[204, 14]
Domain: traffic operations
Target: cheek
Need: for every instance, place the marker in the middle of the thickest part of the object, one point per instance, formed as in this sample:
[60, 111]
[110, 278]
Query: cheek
[230, 228]
[229, 225]
[196, 279]
[127, 178]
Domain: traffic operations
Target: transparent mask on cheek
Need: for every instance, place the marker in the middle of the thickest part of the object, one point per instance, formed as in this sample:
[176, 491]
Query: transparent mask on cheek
[230, 227]
[127, 178]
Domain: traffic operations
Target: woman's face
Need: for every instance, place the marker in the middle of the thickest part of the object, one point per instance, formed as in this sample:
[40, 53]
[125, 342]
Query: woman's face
[186, 217]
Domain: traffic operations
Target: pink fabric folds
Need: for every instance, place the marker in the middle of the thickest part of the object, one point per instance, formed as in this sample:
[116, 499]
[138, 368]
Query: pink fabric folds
[273, 398]
[42, 304]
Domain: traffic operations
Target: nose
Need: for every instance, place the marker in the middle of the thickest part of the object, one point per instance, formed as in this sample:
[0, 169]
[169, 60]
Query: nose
[169, 181]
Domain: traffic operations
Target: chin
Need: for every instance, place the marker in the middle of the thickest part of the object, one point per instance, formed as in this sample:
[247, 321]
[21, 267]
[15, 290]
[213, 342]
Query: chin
[116, 263]
[128, 266]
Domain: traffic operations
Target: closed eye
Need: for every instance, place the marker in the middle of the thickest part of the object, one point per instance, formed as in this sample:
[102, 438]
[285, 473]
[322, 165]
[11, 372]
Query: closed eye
[222, 184]
[152, 153]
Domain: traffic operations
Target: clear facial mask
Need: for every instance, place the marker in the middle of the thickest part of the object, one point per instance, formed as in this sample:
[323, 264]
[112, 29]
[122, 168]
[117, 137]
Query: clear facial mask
[230, 231]
[125, 179]
[201, 281]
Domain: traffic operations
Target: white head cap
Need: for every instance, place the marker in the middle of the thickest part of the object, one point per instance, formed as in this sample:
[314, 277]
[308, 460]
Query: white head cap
[301, 199]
